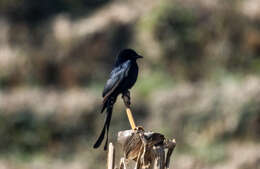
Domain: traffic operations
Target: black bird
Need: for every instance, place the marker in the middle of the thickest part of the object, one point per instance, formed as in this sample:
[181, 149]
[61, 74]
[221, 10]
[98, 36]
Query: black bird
[122, 78]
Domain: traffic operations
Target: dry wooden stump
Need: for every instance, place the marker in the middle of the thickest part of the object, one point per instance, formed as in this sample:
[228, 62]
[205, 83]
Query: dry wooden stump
[146, 148]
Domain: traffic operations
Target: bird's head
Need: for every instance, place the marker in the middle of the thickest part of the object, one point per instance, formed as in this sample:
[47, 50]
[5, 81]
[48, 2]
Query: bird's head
[127, 54]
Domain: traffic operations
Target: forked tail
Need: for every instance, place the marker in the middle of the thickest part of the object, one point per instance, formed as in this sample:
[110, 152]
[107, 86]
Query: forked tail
[105, 128]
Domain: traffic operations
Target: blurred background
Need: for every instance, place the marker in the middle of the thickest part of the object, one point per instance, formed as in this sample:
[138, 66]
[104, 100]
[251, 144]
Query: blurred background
[199, 79]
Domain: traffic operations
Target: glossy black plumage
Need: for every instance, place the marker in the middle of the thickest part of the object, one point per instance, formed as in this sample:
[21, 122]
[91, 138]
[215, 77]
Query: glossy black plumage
[122, 78]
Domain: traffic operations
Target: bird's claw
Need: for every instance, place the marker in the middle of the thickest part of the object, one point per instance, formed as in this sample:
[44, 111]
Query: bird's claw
[126, 98]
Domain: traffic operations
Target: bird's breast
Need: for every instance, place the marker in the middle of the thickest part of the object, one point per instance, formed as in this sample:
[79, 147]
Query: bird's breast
[132, 76]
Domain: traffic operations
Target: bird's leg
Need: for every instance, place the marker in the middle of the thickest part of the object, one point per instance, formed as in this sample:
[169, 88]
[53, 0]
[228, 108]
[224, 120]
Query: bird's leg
[126, 98]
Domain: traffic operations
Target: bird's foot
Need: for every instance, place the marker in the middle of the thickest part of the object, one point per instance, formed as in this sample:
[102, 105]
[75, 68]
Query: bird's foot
[126, 98]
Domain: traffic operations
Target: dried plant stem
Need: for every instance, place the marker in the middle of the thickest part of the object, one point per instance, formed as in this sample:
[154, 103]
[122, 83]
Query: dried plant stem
[111, 157]
[130, 118]
[148, 150]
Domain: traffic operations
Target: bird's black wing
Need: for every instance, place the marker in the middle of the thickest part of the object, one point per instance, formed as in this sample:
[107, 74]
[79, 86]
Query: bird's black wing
[116, 77]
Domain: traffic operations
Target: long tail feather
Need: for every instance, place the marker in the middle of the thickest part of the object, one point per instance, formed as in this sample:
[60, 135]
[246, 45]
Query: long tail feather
[109, 115]
[103, 107]
[101, 137]
[105, 128]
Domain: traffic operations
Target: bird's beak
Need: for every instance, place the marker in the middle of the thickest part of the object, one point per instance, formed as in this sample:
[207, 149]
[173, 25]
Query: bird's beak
[139, 57]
